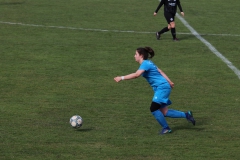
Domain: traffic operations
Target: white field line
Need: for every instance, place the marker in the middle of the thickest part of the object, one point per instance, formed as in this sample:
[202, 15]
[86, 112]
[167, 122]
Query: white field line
[210, 46]
[70, 28]
[104, 30]
[193, 32]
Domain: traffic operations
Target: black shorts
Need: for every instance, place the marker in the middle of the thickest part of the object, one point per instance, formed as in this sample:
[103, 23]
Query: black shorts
[169, 16]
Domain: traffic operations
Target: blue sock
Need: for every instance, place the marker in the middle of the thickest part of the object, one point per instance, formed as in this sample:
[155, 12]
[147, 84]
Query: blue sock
[175, 114]
[160, 118]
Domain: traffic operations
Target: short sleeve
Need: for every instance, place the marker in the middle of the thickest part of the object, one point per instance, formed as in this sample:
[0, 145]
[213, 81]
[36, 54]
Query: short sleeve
[144, 66]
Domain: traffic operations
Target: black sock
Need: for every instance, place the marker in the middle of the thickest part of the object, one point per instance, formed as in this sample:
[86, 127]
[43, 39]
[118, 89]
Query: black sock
[165, 29]
[173, 30]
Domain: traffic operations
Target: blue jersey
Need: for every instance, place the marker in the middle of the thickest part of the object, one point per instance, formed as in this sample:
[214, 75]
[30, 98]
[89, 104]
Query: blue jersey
[152, 75]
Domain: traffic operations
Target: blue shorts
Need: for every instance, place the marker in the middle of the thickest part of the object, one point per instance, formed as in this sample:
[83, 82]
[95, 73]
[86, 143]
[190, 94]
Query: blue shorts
[161, 96]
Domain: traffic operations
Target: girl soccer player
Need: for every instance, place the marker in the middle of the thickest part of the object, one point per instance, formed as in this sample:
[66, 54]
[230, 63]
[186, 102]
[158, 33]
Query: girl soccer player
[170, 9]
[161, 86]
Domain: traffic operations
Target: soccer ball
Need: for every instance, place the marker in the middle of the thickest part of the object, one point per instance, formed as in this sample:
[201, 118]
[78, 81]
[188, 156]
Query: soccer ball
[76, 121]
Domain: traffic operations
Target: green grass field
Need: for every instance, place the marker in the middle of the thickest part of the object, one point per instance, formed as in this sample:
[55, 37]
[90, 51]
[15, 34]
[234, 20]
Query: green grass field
[59, 58]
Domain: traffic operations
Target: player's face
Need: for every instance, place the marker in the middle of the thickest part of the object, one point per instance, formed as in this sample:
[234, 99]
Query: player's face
[137, 57]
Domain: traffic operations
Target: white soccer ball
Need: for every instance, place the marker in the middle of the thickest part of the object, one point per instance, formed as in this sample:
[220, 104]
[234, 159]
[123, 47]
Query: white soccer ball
[76, 121]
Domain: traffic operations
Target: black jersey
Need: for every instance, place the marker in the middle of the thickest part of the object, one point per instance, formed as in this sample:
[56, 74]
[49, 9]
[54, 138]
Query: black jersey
[170, 6]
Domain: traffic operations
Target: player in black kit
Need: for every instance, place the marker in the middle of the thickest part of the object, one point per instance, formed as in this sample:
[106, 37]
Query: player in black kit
[170, 9]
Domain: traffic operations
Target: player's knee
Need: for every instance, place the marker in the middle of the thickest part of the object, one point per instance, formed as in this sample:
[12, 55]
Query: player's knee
[169, 26]
[164, 110]
[154, 106]
[172, 24]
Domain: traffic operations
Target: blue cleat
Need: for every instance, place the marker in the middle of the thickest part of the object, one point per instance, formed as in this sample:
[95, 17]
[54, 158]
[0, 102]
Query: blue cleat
[190, 118]
[165, 130]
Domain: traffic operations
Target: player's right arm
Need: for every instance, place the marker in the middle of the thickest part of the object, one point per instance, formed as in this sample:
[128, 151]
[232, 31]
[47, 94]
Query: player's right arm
[129, 76]
[159, 6]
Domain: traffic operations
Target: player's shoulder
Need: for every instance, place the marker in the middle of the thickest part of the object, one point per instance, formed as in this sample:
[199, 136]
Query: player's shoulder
[147, 61]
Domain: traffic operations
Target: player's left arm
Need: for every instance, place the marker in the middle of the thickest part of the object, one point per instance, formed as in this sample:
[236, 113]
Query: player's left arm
[166, 77]
[129, 76]
[180, 7]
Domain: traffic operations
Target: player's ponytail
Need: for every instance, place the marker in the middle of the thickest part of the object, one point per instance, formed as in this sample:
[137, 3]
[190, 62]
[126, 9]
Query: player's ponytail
[146, 52]
[150, 51]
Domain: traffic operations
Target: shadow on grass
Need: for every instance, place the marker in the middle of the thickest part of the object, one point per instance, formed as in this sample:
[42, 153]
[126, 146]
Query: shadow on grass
[184, 37]
[200, 122]
[188, 127]
[84, 129]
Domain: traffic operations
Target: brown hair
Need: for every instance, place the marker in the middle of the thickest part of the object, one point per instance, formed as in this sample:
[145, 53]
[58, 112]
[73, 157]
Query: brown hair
[146, 52]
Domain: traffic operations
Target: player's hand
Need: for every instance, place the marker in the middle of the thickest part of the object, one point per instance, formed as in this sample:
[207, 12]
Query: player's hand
[154, 13]
[182, 13]
[171, 84]
[118, 79]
